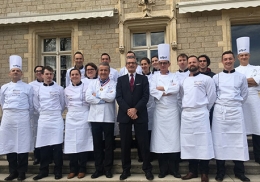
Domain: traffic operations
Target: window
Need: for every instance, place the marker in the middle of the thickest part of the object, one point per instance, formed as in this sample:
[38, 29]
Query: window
[145, 44]
[56, 52]
[252, 31]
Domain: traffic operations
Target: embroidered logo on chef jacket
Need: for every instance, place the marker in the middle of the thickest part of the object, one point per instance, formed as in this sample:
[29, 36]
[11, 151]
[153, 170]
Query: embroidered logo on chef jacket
[16, 92]
[254, 73]
[54, 94]
[69, 97]
[198, 83]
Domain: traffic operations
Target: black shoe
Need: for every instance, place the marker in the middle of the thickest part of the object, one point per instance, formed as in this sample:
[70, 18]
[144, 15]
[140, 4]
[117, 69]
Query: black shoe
[125, 175]
[109, 174]
[140, 160]
[161, 175]
[58, 176]
[11, 176]
[96, 174]
[176, 174]
[36, 161]
[219, 177]
[21, 177]
[149, 175]
[242, 177]
[40, 176]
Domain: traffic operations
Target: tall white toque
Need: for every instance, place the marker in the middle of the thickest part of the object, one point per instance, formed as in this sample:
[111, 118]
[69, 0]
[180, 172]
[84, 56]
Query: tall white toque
[15, 62]
[243, 45]
[164, 52]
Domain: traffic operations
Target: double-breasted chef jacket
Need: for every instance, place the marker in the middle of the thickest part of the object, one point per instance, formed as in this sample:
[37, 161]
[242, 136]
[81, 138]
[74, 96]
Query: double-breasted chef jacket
[15, 129]
[50, 103]
[78, 135]
[198, 96]
[166, 127]
[228, 127]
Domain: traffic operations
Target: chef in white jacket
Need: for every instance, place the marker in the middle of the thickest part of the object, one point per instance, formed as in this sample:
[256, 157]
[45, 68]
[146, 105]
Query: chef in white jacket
[165, 139]
[35, 84]
[228, 127]
[49, 102]
[78, 136]
[251, 105]
[198, 95]
[101, 97]
[78, 59]
[15, 129]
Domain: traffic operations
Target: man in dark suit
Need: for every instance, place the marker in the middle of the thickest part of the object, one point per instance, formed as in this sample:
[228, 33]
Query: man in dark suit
[132, 94]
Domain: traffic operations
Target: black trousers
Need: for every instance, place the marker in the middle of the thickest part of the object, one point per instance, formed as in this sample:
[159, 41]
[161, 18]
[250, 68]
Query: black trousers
[46, 156]
[18, 163]
[238, 167]
[139, 151]
[256, 147]
[78, 162]
[141, 133]
[103, 159]
[37, 154]
[203, 165]
[169, 162]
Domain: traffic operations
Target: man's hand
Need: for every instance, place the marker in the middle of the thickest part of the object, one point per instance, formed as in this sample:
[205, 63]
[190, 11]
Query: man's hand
[160, 88]
[132, 112]
[94, 94]
[251, 82]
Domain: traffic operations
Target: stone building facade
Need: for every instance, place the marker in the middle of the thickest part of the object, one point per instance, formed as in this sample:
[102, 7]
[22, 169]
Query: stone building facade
[49, 32]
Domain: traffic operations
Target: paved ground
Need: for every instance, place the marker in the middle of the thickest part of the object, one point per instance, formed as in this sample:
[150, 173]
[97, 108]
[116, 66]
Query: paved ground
[133, 178]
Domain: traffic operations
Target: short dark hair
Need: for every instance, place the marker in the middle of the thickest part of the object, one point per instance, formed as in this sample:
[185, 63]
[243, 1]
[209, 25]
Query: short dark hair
[155, 56]
[128, 52]
[47, 68]
[92, 65]
[105, 54]
[207, 58]
[228, 52]
[193, 56]
[105, 64]
[75, 69]
[182, 55]
[146, 59]
[36, 68]
[78, 52]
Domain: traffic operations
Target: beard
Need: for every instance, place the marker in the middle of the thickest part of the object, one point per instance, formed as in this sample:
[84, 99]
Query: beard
[193, 68]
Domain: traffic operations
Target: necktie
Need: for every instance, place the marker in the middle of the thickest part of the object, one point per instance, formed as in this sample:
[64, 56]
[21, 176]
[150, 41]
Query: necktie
[132, 82]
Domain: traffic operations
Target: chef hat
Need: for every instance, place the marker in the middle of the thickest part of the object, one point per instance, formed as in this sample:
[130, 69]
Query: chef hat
[164, 52]
[243, 45]
[15, 62]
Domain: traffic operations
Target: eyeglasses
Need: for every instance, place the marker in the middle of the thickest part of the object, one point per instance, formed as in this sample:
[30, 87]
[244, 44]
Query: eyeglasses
[91, 69]
[203, 61]
[163, 63]
[38, 71]
[128, 63]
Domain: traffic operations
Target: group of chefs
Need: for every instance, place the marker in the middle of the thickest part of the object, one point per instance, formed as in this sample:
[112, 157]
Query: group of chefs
[170, 114]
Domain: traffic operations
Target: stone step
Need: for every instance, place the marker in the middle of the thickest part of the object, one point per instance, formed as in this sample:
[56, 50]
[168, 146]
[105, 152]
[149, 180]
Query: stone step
[250, 167]
[133, 178]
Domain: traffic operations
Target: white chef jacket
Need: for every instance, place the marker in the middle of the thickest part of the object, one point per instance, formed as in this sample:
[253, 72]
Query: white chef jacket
[251, 105]
[228, 128]
[15, 129]
[78, 135]
[198, 95]
[102, 107]
[165, 136]
[181, 76]
[49, 102]
[68, 81]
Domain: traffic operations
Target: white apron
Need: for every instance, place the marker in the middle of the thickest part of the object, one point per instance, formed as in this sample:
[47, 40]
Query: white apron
[50, 128]
[15, 132]
[35, 126]
[166, 126]
[78, 135]
[196, 139]
[228, 133]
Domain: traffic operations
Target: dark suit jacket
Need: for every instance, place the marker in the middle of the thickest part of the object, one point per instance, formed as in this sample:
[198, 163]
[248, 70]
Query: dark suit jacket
[136, 99]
